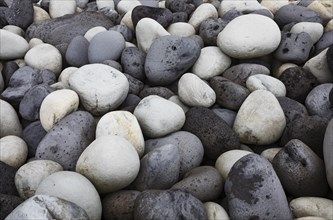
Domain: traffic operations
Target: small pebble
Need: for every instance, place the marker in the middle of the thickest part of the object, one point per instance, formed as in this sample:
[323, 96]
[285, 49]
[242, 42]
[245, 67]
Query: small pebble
[14, 151]
[10, 124]
[215, 211]
[8, 39]
[312, 206]
[327, 151]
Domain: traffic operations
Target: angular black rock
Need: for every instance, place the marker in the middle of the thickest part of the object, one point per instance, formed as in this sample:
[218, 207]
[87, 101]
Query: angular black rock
[168, 204]
[133, 61]
[8, 70]
[215, 134]
[300, 170]
[299, 82]
[161, 15]
[291, 108]
[67, 139]
[254, 190]
[8, 204]
[77, 51]
[160, 91]
[32, 135]
[20, 13]
[7, 180]
[210, 28]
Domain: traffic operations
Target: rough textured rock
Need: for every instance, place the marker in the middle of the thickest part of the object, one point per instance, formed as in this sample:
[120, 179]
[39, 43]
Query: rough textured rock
[7, 182]
[8, 204]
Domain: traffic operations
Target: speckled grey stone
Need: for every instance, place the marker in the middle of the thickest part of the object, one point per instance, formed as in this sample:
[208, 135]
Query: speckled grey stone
[8, 204]
[7, 180]
[159, 90]
[67, 139]
[291, 108]
[135, 85]
[329, 57]
[168, 204]
[169, 57]
[161, 15]
[20, 13]
[179, 17]
[325, 41]
[254, 190]
[124, 30]
[210, 28]
[300, 170]
[179, 6]
[8, 70]
[113, 64]
[317, 102]
[133, 61]
[32, 135]
[77, 51]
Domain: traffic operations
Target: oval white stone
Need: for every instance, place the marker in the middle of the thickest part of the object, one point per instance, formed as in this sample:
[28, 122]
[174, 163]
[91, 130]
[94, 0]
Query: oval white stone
[13, 151]
[40, 14]
[8, 51]
[312, 206]
[60, 8]
[193, 91]
[93, 31]
[105, 4]
[56, 106]
[215, 211]
[201, 13]
[265, 82]
[314, 29]
[246, 6]
[181, 29]
[249, 36]
[10, 123]
[115, 169]
[125, 6]
[260, 119]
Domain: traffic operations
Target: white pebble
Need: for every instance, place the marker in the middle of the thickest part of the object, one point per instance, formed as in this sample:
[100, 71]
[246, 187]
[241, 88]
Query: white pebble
[8, 51]
[14, 151]
[181, 29]
[314, 29]
[10, 123]
[58, 8]
[265, 82]
[202, 13]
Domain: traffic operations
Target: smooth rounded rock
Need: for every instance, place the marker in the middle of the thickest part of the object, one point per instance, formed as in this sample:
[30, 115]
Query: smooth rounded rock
[315, 30]
[118, 167]
[160, 91]
[195, 92]
[312, 206]
[270, 153]
[56, 106]
[60, 8]
[215, 211]
[44, 56]
[40, 14]
[328, 152]
[101, 88]
[14, 29]
[226, 114]
[201, 13]
[261, 197]
[265, 82]
[93, 31]
[8, 52]
[181, 29]
[225, 161]
[77, 52]
[133, 61]
[32, 135]
[319, 67]
[14, 151]
[161, 15]
[75, 188]
[10, 124]
[158, 116]
[261, 37]
[317, 102]
[267, 120]
[241, 6]
[211, 62]
[105, 4]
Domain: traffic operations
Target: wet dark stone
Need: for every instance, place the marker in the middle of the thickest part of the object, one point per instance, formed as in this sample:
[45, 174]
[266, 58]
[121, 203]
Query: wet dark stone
[32, 135]
[160, 91]
[7, 180]
[161, 15]
[291, 108]
[8, 203]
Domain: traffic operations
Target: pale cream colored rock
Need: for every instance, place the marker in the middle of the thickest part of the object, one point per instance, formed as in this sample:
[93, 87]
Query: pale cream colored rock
[105, 4]
[59, 86]
[56, 106]
[225, 161]
[319, 68]
[14, 29]
[281, 68]
[44, 56]
[274, 5]
[312, 206]
[215, 211]
[20, 62]
[31, 174]
[193, 91]
[125, 6]
[158, 116]
[93, 31]
[147, 30]
[211, 62]
[116, 169]
[265, 82]
[8, 51]
[310, 218]
[202, 13]
[65, 74]
[240, 5]
[129, 44]
[314, 29]
[176, 99]
[123, 124]
[40, 14]
[127, 20]
[329, 26]
[34, 42]
[260, 119]
[58, 8]
[75, 188]
[323, 7]
[270, 153]
[181, 29]
[14, 151]
[10, 123]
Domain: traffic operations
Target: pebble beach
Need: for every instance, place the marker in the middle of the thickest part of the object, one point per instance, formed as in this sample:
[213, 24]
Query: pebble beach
[166, 109]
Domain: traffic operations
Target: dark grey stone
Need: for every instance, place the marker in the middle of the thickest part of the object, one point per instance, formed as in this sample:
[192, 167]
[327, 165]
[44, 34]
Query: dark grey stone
[168, 204]
[124, 30]
[300, 170]
[161, 15]
[210, 28]
[160, 91]
[295, 13]
[215, 134]
[294, 48]
[179, 17]
[317, 102]
[204, 182]
[60, 31]
[7, 180]
[113, 64]
[180, 6]
[20, 13]
[325, 41]
[189, 146]
[8, 204]
[8, 70]
[240, 72]
[67, 139]
[3, 20]
[291, 108]
[119, 205]
[32, 100]
[133, 61]
[110, 13]
[329, 57]
[77, 51]
[32, 135]
[198, 40]
[169, 57]
[228, 94]
[226, 114]
[231, 14]
[131, 100]
[308, 129]
[159, 169]
[299, 82]
[254, 191]
[135, 85]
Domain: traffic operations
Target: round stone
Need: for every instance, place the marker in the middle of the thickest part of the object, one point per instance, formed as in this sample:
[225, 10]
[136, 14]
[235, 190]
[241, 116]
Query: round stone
[93, 31]
[10, 123]
[314, 29]
[312, 206]
[215, 211]
[60, 8]
[75, 188]
[44, 56]
[195, 92]
[101, 88]
[241, 6]
[265, 82]
[317, 102]
[14, 151]
[158, 116]
[202, 13]
[8, 39]
[77, 52]
[328, 153]
[56, 106]
[31, 174]
[181, 29]
[267, 121]
[117, 168]
[260, 36]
